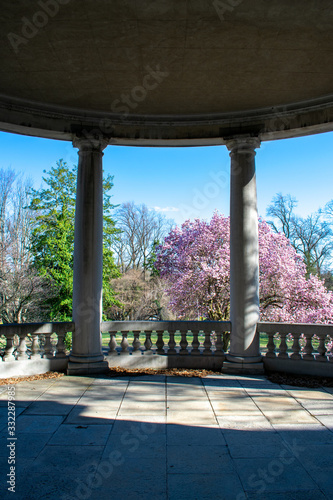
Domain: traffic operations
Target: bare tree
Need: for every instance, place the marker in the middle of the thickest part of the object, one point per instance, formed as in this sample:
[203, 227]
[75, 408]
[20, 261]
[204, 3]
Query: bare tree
[139, 296]
[140, 229]
[313, 240]
[282, 208]
[7, 178]
[311, 236]
[22, 291]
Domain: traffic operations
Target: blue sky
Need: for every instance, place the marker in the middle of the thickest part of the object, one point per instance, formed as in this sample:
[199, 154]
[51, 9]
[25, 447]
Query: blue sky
[191, 182]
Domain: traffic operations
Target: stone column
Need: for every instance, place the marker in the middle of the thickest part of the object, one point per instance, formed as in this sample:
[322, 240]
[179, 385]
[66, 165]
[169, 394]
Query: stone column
[244, 355]
[86, 355]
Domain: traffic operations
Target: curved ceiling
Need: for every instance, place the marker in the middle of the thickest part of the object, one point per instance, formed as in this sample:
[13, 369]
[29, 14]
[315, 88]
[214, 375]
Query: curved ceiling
[145, 64]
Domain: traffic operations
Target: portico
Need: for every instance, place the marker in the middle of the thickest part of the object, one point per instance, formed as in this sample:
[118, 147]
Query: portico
[169, 73]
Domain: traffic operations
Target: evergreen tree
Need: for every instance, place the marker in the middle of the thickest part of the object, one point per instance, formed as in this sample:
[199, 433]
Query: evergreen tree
[53, 237]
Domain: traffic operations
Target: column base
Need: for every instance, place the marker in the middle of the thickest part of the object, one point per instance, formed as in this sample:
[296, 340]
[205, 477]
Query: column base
[233, 358]
[87, 368]
[243, 367]
[96, 358]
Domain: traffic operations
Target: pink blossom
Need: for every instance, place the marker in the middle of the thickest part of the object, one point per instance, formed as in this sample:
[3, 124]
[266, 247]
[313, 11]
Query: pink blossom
[194, 261]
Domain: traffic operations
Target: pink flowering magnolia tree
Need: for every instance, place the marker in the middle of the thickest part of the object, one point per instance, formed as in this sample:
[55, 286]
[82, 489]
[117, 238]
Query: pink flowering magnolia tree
[194, 261]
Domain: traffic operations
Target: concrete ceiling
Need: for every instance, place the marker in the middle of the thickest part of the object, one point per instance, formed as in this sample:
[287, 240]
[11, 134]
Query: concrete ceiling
[230, 59]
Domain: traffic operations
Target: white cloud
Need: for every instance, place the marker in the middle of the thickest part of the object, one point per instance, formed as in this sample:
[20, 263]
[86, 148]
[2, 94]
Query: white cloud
[166, 209]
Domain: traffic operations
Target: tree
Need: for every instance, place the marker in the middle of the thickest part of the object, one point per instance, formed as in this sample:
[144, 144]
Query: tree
[282, 209]
[139, 296]
[140, 229]
[53, 237]
[311, 236]
[22, 291]
[194, 261]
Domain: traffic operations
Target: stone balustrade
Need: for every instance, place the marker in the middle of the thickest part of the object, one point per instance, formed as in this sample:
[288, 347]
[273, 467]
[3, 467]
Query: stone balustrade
[31, 348]
[289, 343]
[154, 343]
[38, 336]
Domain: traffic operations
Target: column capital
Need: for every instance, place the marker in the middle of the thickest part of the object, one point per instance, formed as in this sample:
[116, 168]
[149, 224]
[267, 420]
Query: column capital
[243, 144]
[85, 144]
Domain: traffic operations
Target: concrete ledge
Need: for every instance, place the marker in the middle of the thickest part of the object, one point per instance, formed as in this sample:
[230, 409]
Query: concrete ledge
[299, 367]
[29, 367]
[87, 368]
[171, 361]
[243, 368]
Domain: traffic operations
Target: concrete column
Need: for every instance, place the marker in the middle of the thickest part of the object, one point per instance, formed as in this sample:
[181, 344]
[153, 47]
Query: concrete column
[244, 355]
[86, 355]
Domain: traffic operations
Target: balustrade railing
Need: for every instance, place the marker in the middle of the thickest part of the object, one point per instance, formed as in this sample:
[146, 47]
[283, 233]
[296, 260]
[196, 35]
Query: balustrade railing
[184, 338]
[23, 341]
[188, 343]
[298, 341]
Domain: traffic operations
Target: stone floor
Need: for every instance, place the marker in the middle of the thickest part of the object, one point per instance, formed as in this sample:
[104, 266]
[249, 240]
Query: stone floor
[157, 437]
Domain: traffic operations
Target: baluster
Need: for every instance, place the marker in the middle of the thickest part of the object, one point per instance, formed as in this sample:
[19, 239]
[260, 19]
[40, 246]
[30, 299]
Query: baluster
[9, 349]
[183, 342]
[48, 347]
[148, 343]
[219, 351]
[226, 338]
[22, 348]
[60, 346]
[207, 344]
[136, 342]
[329, 347]
[308, 348]
[113, 343]
[321, 349]
[195, 343]
[124, 343]
[296, 347]
[160, 342]
[35, 349]
[283, 347]
[172, 343]
[270, 346]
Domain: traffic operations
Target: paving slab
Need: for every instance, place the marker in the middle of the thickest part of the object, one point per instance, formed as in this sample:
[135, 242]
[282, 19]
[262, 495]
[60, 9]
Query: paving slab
[290, 416]
[205, 486]
[194, 459]
[171, 438]
[184, 434]
[259, 475]
[243, 422]
[91, 415]
[75, 459]
[48, 408]
[138, 444]
[40, 424]
[326, 420]
[306, 434]
[287, 495]
[89, 434]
